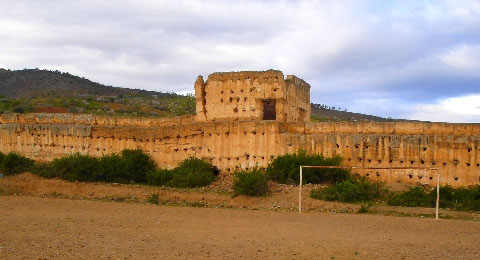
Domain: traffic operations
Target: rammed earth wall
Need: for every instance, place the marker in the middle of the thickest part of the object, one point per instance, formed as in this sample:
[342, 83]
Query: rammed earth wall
[454, 148]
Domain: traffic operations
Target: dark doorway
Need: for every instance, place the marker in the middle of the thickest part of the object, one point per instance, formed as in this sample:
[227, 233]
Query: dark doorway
[269, 112]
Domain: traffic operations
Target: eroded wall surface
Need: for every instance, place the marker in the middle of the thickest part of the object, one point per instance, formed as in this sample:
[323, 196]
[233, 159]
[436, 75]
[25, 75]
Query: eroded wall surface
[240, 95]
[453, 148]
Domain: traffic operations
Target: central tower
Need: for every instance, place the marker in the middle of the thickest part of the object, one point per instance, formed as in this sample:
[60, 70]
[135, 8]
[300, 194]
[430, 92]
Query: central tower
[252, 95]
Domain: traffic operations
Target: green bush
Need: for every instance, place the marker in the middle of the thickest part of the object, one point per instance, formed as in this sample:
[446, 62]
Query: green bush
[350, 190]
[250, 183]
[129, 166]
[364, 209]
[14, 163]
[135, 165]
[159, 177]
[44, 169]
[76, 167]
[286, 168]
[2, 155]
[193, 172]
[413, 197]
[110, 169]
[153, 199]
[463, 198]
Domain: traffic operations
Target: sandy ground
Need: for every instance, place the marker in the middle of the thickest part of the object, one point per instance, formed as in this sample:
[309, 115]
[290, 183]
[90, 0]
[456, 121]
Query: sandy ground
[283, 197]
[54, 228]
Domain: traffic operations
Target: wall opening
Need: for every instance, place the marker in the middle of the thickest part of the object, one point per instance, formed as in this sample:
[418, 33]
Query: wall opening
[269, 112]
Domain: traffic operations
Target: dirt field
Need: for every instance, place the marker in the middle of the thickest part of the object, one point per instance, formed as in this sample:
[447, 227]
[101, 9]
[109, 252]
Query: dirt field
[55, 219]
[47, 228]
[283, 197]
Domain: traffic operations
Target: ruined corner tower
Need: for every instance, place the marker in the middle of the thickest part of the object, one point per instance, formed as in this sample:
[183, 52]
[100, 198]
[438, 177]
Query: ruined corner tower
[252, 95]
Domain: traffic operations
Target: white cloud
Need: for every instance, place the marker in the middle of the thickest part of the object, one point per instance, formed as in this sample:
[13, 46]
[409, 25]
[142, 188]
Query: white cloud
[457, 110]
[463, 57]
[370, 56]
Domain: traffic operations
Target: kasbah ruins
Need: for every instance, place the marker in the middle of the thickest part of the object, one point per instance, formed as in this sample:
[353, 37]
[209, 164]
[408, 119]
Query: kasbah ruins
[245, 119]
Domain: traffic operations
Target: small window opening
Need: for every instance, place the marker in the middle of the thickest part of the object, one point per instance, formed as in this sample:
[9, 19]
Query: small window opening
[269, 112]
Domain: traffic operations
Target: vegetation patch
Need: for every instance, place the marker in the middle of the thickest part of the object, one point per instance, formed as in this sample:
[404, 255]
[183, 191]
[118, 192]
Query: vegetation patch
[14, 163]
[153, 199]
[286, 169]
[463, 198]
[350, 190]
[250, 183]
[127, 167]
[413, 197]
[190, 173]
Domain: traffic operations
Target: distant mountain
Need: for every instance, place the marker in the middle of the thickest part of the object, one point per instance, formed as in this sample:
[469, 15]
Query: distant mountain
[34, 90]
[325, 113]
[34, 82]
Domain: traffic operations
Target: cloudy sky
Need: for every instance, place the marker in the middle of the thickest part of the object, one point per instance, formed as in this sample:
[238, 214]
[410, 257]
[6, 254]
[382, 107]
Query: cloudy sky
[400, 59]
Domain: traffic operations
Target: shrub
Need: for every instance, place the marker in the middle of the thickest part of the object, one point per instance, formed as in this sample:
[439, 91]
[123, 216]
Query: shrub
[135, 165]
[153, 199]
[110, 169]
[2, 155]
[350, 190]
[159, 177]
[44, 169]
[363, 209]
[413, 197]
[193, 172]
[286, 168]
[250, 183]
[459, 199]
[129, 166]
[14, 163]
[463, 198]
[76, 167]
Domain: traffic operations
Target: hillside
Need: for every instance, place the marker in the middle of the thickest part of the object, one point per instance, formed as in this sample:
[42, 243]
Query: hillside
[34, 82]
[324, 113]
[34, 90]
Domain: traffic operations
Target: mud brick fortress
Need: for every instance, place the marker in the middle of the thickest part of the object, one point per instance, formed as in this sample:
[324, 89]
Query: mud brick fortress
[246, 119]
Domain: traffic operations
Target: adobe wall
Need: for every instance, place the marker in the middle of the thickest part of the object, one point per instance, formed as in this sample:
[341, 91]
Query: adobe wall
[454, 148]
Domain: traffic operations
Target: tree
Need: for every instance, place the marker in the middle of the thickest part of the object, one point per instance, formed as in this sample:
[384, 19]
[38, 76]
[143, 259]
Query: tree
[182, 105]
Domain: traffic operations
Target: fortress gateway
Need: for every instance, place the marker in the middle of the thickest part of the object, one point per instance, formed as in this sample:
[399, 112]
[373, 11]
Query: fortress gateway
[248, 118]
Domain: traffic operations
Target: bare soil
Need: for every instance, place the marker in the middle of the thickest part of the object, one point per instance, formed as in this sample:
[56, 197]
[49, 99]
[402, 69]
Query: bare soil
[47, 228]
[55, 219]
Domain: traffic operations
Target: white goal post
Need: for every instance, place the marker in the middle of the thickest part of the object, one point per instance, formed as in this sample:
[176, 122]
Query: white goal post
[369, 168]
